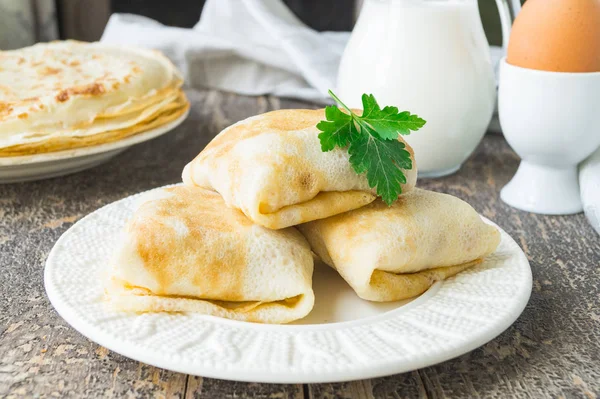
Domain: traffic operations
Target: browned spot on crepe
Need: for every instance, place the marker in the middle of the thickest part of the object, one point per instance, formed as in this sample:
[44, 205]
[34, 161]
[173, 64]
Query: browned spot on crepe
[93, 89]
[5, 109]
[49, 71]
[62, 96]
[210, 224]
[307, 181]
[282, 120]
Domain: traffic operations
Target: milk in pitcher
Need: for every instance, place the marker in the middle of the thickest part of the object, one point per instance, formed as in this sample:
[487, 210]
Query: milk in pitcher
[432, 59]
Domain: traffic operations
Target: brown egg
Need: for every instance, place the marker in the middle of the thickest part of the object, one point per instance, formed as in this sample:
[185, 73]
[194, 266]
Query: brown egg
[557, 35]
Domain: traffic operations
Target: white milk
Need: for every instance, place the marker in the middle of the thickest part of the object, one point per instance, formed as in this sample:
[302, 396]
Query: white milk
[430, 58]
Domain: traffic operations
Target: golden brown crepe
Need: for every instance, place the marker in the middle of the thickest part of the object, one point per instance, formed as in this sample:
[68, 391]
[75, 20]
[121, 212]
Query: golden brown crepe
[185, 251]
[271, 167]
[392, 253]
[68, 94]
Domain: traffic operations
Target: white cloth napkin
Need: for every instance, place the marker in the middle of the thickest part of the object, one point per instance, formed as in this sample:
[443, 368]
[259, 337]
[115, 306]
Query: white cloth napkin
[251, 47]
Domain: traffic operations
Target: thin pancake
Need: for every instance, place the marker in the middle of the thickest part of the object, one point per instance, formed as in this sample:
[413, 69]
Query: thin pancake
[168, 113]
[72, 83]
[184, 250]
[100, 125]
[392, 253]
[272, 168]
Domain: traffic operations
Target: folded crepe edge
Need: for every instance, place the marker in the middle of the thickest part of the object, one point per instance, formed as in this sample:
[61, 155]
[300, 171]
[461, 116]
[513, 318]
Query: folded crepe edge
[382, 286]
[140, 300]
[321, 206]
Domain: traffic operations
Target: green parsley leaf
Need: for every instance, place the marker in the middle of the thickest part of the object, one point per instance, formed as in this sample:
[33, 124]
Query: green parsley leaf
[372, 142]
[337, 129]
[383, 161]
[388, 122]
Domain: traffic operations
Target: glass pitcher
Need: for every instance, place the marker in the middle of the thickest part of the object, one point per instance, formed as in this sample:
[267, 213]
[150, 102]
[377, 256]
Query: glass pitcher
[429, 57]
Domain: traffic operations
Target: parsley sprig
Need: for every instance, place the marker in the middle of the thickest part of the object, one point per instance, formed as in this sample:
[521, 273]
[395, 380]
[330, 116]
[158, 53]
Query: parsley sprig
[372, 142]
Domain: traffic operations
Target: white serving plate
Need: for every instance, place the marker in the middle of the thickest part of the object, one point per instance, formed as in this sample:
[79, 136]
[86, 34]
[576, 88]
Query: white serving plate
[44, 166]
[344, 338]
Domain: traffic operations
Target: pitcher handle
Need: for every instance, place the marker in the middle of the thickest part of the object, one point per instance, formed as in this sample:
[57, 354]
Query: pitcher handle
[505, 21]
[516, 7]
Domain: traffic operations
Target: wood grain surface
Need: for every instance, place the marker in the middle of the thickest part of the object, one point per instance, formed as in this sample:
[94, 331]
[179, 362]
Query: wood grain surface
[553, 350]
[82, 19]
[86, 19]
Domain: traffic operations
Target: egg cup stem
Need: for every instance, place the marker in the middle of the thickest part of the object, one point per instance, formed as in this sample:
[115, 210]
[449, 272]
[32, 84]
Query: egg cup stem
[544, 189]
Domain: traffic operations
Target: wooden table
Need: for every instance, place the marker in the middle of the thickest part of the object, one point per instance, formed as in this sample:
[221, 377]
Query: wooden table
[553, 350]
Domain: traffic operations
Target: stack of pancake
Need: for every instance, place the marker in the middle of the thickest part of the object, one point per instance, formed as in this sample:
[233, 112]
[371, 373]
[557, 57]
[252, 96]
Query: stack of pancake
[65, 95]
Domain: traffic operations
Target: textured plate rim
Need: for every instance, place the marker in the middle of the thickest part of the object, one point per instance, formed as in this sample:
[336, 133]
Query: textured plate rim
[296, 376]
[96, 149]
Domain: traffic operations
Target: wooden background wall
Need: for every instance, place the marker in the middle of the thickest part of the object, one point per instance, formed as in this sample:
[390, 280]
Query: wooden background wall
[85, 19]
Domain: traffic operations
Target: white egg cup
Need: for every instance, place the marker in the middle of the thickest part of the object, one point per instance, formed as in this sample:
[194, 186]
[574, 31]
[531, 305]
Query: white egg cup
[552, 121]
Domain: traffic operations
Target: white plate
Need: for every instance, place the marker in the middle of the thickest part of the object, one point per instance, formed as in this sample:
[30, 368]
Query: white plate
[59, 163]
[344, 338]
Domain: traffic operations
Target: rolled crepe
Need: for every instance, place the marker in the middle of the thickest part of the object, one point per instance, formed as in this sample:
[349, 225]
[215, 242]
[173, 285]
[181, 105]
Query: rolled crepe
[271, 167]
[398, 252]
[185, 251]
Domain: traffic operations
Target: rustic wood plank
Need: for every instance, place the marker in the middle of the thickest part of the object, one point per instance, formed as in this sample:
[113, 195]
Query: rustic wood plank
[83, 19]
[343, 390]
[86, 19]
[41, 354]
[337, 15]
[408, 385]
[199, 388]
[321, 15]
[183, 13]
